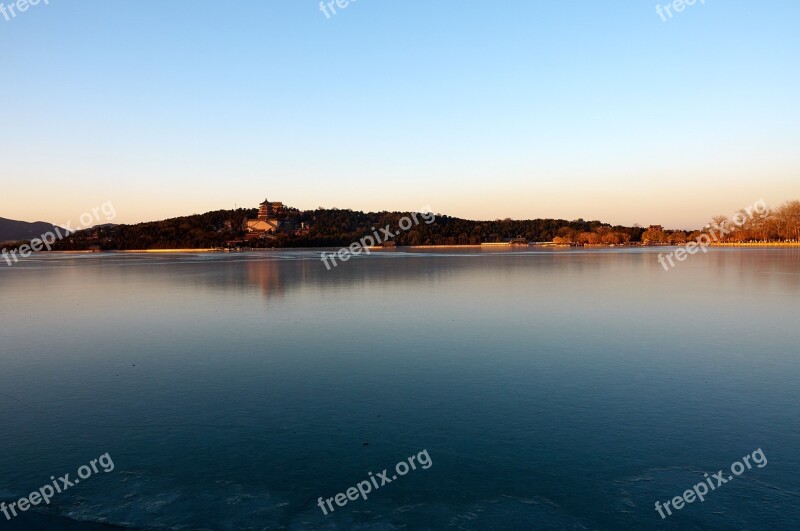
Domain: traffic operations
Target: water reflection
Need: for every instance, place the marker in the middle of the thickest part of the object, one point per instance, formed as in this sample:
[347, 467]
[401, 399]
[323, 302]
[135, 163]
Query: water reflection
[534, 379]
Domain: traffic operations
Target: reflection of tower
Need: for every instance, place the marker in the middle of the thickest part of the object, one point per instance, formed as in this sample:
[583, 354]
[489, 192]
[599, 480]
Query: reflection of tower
[275, 276]
[267, 275]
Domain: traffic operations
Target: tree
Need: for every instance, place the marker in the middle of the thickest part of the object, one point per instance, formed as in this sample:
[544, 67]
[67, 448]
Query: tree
[653, 236]
[788, 217]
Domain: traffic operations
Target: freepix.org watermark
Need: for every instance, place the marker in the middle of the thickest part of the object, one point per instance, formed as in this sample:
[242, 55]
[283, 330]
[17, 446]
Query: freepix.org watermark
[46, 493]
[699, 491]
[331, 5]
[46, 241]
[365, 487]
[676, 6]
[363, 245]
[11, 10]
[712, 234]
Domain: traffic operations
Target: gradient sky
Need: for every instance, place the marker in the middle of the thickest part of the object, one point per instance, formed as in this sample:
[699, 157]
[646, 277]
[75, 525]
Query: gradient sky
[481, 110]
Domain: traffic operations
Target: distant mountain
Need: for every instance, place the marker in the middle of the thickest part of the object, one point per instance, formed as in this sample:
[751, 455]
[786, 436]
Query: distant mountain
[12, 230]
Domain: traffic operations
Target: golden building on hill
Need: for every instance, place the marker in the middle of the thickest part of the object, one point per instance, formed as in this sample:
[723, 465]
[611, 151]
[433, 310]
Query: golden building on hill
[267, 221]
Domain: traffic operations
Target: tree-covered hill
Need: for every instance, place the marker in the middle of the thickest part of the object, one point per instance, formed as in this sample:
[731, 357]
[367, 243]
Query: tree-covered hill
[324, 228]
[336, 228]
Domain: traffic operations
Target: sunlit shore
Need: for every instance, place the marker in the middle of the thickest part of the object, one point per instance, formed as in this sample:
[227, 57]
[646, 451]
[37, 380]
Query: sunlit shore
[371, 249]
[756, 244]
[207, 250]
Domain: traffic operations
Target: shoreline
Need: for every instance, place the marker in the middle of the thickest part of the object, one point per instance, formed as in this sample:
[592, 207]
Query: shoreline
[207, 250]
[423, 247]
[756, 244]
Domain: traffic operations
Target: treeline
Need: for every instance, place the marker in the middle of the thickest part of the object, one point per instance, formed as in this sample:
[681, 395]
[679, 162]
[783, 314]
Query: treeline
[341, 227]
[338, 228]
[212, 229]
[779, 225]
[331, 228]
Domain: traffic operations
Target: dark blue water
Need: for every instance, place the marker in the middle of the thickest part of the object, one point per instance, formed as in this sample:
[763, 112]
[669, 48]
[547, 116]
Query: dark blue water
[551, 389]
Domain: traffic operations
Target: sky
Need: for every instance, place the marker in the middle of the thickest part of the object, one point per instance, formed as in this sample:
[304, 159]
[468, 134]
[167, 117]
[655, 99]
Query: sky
[481, 110]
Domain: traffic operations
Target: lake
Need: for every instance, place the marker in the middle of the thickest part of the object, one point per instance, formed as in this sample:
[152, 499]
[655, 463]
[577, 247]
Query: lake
[548, 388]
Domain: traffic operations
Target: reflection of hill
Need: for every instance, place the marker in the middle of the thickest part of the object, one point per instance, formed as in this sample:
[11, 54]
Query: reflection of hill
[281, 273]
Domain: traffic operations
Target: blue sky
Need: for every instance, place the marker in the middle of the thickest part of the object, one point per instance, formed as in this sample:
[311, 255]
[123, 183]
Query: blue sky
[482, 110]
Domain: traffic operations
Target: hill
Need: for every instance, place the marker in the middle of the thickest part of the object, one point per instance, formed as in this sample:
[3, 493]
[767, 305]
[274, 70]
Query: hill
[12, 230]
[328, 228]
[341, 227]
